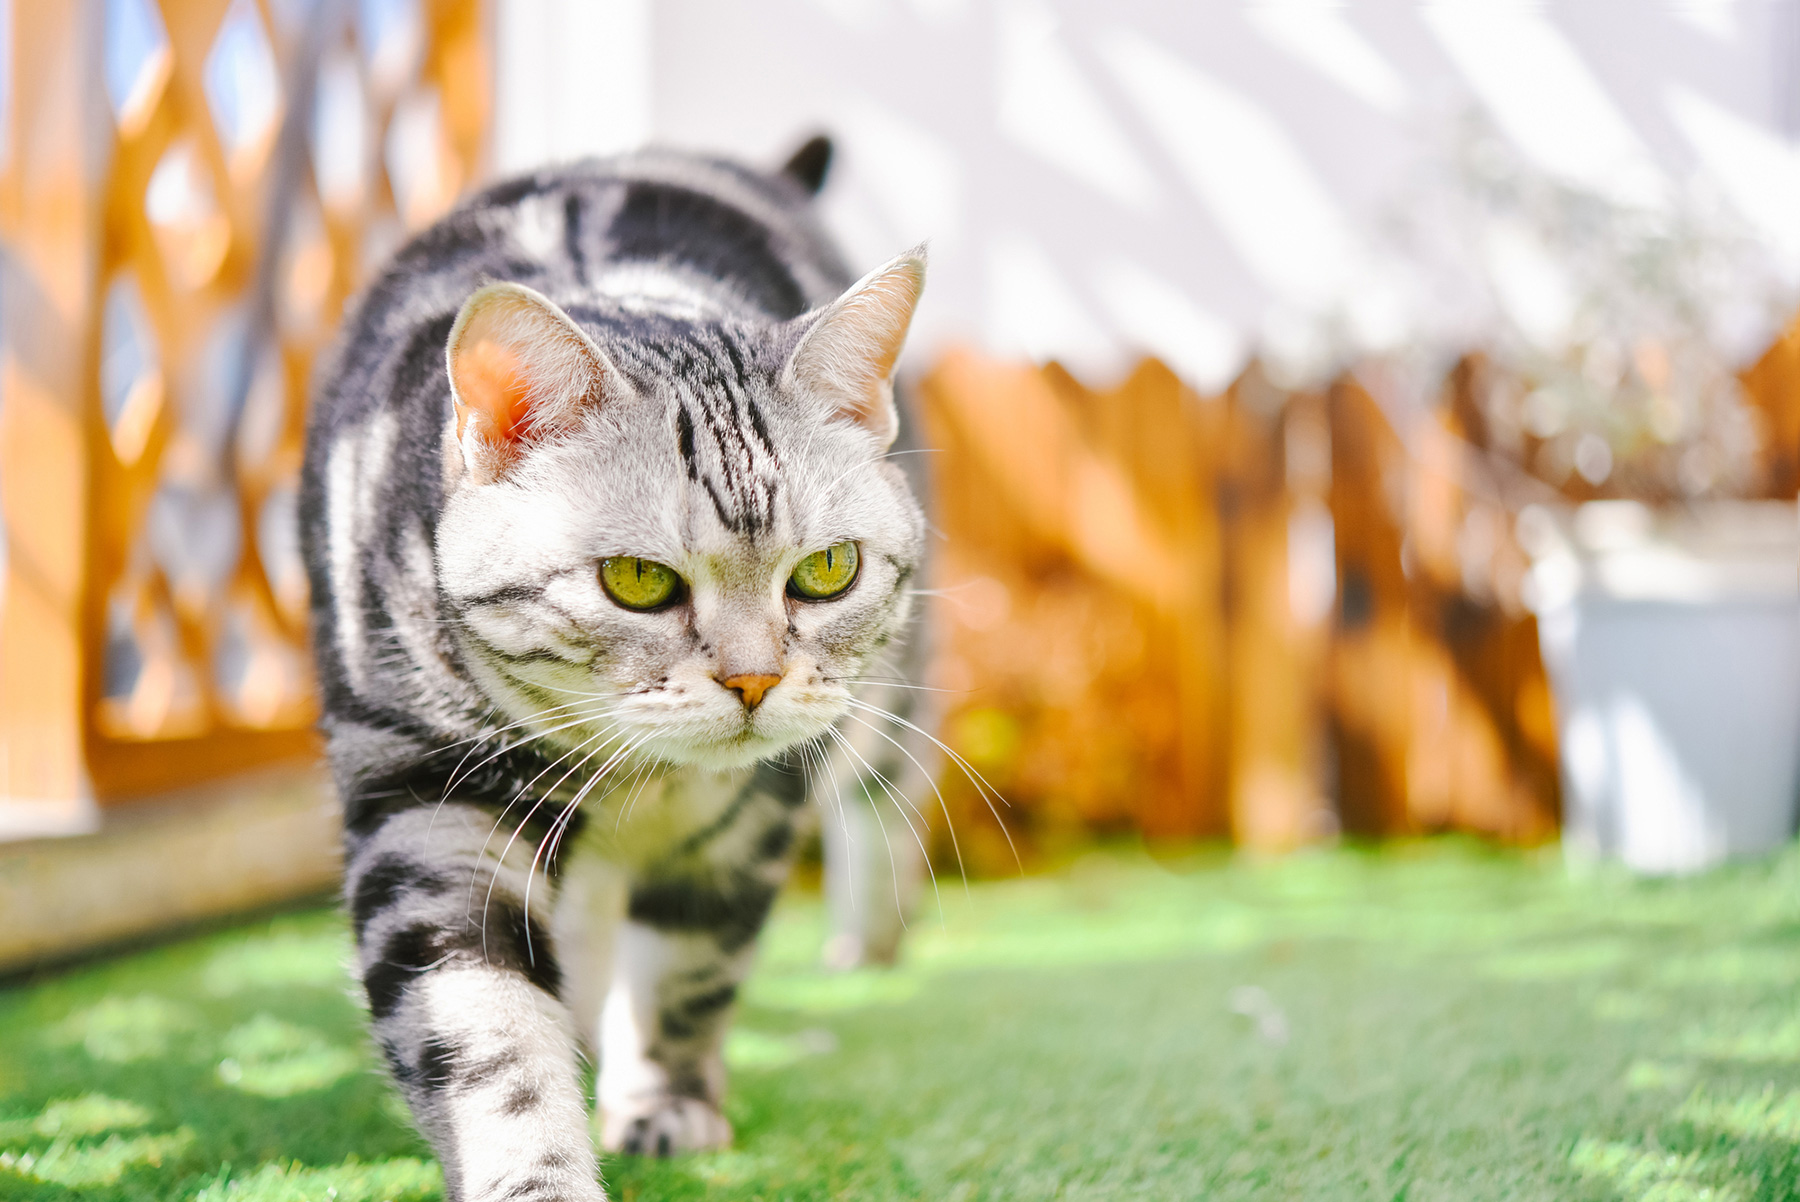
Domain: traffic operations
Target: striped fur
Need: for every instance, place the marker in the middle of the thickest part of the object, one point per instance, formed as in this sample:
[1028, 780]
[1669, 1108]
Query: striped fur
[563, 833]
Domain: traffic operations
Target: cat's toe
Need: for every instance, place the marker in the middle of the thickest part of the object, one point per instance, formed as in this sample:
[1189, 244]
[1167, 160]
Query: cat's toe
[670, 1127]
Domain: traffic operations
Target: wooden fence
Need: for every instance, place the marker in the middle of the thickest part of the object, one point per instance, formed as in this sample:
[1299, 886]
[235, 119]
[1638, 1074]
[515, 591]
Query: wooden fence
[190, 190]
[1268, 615]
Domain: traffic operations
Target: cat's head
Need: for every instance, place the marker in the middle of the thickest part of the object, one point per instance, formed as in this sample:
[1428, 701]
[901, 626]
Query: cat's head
[672, 538]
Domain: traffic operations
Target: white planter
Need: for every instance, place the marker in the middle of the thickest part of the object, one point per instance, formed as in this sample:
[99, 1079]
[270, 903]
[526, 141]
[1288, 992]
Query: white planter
[1672, 641]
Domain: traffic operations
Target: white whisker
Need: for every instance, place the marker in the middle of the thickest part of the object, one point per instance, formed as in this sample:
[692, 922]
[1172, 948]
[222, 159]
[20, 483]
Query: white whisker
[949, 824]
[500, 861]
[899, 806]
[561, 822]
[975, 778]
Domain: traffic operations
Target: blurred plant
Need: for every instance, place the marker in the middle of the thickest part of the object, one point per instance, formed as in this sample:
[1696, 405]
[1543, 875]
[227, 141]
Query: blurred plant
[1617, 322]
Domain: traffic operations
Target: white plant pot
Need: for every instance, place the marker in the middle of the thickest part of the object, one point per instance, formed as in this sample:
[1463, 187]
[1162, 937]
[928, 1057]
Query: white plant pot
[1672, 642]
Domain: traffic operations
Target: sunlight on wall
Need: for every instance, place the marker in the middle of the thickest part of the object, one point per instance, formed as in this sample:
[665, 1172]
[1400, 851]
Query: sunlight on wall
[1255, 159]
[1546, 98]
[1530, 285]
[1244, 168]
[577, 78]
[1161, 319]
[1319, 33]
[913, 182]
[1048, 106]
[1715, 18]
[1758, 169]
[1032, 309]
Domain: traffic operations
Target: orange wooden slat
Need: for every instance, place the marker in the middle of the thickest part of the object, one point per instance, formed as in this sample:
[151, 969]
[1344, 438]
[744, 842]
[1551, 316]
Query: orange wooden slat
[79, 496]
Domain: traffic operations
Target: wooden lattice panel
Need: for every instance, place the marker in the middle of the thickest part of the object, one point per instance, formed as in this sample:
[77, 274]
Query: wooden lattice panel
[259, 159]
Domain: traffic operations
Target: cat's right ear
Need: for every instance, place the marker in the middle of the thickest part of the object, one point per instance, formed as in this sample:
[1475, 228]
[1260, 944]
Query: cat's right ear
[520, 372]
[847, 354]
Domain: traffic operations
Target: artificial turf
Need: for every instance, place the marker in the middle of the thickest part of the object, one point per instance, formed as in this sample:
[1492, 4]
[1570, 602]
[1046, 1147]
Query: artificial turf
[1426, 1021]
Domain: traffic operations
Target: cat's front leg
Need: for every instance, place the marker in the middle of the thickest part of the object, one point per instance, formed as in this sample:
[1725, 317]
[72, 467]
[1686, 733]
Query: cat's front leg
[462, 985]
[876, 797]
[681, 954]
[874, 865]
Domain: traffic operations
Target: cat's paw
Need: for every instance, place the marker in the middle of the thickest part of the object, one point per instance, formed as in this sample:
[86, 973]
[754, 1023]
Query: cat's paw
[667, 1127]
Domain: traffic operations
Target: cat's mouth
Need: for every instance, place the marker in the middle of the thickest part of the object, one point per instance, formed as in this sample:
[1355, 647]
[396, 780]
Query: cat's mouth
[772, 734]
[745, 734]
[701, 726]
[750, 736]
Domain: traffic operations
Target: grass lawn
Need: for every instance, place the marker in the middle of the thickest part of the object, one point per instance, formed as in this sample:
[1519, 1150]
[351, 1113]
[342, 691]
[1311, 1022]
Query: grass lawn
[1429, 1021]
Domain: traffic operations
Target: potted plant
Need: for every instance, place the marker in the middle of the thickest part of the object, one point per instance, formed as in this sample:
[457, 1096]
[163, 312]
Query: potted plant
[1662, 531]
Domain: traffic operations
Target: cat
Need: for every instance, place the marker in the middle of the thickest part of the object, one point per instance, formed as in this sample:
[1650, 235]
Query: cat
[612, 571]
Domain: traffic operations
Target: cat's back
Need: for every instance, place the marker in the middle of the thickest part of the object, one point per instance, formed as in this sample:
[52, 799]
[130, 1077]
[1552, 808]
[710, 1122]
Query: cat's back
[651, 226]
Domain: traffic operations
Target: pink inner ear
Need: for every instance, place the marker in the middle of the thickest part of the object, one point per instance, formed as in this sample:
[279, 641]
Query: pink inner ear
[520, 371]
[890, 302]
[492, 392]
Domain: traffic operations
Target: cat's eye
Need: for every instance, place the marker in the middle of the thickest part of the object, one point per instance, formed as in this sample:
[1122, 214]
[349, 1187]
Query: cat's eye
[824, 574]
[639, 583]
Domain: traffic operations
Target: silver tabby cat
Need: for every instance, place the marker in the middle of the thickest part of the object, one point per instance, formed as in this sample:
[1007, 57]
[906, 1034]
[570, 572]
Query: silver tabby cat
[610, 571]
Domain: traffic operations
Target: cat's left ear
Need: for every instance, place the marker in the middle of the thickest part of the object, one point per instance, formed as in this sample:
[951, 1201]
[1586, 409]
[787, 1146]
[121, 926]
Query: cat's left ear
[520, 372]
[846, 356]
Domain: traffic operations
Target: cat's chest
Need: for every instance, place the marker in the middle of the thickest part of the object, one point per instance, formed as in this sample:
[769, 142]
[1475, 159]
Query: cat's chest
[658, 818]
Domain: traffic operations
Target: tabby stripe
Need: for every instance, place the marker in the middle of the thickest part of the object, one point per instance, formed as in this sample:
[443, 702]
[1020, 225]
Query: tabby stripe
[731, 914]
[685, 1019]
[385, 881]
[446, 1066]
[738, 246]
[422, 946]
[684, 439]
[762, 430]
[572, 235]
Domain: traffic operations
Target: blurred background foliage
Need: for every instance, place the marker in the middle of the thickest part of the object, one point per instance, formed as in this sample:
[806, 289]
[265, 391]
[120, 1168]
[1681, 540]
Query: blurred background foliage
[1229, 491]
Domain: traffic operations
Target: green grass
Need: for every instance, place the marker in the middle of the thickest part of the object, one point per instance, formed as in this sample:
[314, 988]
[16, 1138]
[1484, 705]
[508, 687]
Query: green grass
[1431, 1021]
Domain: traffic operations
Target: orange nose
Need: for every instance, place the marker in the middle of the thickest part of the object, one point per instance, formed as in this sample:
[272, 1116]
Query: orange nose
[750, 687]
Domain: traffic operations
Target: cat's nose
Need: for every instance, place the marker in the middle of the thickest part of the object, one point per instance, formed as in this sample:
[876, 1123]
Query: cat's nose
[750, 686]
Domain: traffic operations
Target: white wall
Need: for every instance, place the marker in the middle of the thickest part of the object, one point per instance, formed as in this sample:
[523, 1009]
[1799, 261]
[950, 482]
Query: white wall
[574, 79]
[1190, 178]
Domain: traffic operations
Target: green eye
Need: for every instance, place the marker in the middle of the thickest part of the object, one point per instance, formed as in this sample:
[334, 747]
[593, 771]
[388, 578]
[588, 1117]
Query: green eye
[825, 574]
[639, 583]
